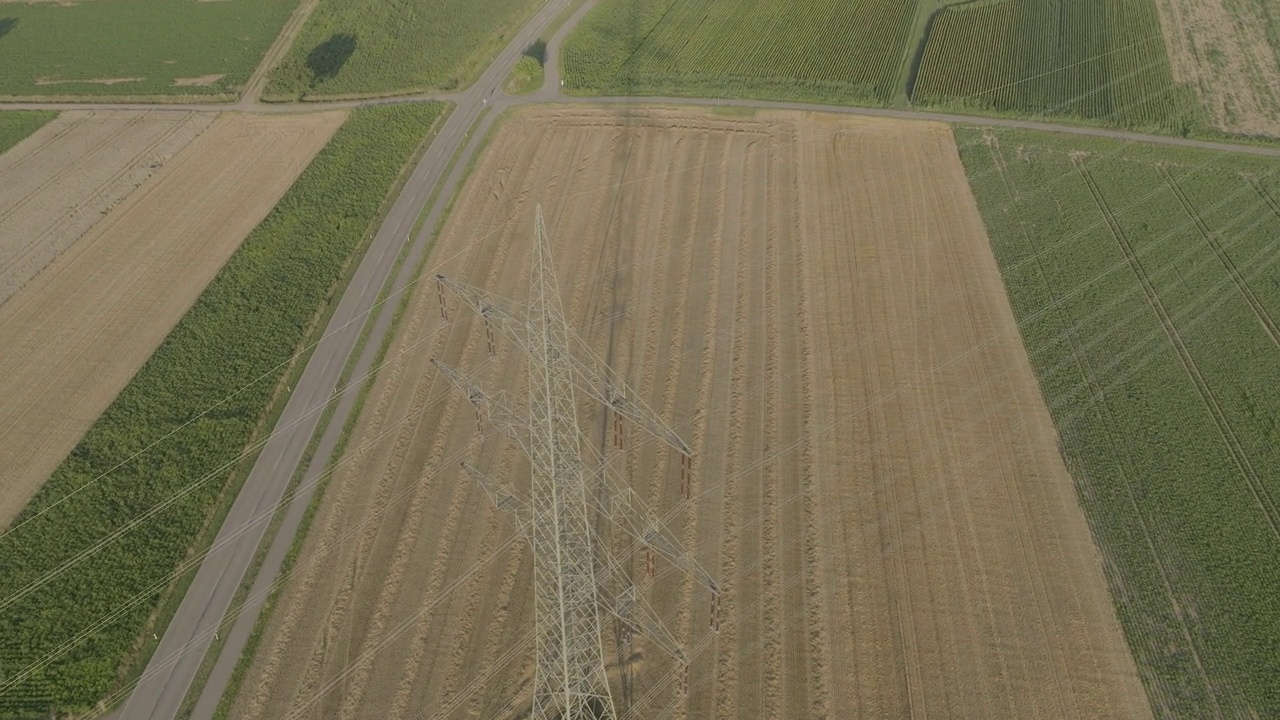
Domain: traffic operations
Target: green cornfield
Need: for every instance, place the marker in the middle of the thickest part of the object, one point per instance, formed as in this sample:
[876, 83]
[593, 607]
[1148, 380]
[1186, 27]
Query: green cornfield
[818, 50]
[1146, 284]
[1098, 60]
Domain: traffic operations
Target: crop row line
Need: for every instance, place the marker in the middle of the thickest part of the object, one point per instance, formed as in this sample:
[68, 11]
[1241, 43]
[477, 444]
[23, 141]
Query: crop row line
[1258, 310]
[1238, 454]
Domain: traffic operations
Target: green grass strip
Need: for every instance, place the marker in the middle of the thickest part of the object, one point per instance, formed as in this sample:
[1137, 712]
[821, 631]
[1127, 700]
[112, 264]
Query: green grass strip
[209, 384]
[15, 125]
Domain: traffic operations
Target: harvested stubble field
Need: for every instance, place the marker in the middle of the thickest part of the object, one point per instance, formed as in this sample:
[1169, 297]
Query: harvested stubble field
[65, 177]
[812, 302]
[76, 333]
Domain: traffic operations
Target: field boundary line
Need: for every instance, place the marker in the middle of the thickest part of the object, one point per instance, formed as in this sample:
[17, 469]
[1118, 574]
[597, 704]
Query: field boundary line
[1080, 358]
[1238, 454]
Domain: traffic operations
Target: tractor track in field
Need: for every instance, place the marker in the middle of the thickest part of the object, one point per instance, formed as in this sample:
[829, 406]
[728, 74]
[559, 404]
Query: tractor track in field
[784, 515]
[1268, 324]
[1236, 449]
[917, 562]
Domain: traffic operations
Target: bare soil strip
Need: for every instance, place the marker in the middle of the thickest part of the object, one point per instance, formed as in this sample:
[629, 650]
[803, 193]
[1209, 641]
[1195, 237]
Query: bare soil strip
[812, 302]
[62, 179]
[73, 336]
[1221, 49]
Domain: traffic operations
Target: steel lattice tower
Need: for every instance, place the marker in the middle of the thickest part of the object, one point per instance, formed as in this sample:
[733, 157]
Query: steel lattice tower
[570, 564]
[570, 658]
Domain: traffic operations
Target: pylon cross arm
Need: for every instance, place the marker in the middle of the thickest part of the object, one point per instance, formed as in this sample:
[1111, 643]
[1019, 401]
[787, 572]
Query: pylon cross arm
[502, 496]
[492, 407]
[633, 611]
[587, 373]
[632, 516]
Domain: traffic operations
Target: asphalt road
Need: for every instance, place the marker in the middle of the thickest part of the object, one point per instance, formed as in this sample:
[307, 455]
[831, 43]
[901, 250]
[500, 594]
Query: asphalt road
[172, 670]
[177, 659]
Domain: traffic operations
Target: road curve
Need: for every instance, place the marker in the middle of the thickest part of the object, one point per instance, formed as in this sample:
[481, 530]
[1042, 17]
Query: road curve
[173, 667]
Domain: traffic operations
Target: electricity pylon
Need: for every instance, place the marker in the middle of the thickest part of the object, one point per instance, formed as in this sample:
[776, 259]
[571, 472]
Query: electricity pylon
[571, 565]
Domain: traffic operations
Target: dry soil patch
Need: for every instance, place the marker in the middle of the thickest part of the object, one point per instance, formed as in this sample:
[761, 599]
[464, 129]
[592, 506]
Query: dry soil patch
[811, 301]
[72, 338]
[1220, 48]
[202, 81]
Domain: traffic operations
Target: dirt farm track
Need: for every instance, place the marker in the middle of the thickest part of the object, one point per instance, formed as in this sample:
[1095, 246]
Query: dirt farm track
[811, 301]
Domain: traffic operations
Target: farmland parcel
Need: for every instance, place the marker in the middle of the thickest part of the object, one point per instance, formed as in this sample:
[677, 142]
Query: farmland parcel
[74, 335]
[66, 177]
[1097, 60]
[387, 47]
[162, 451]
[820, 50]
[813, 304]
[1227, 50]
[134, 47]
[1147, 286]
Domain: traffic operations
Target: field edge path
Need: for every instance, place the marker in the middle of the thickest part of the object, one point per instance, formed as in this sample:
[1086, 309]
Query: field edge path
[258, 80]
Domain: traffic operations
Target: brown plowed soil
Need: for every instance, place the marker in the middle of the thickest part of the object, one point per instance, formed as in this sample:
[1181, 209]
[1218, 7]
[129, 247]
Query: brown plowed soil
[64, 178]
[812, 303]
[75, 334]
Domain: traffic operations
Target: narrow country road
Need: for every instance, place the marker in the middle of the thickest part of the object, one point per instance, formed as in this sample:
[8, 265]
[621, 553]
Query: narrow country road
[173, 669]
[176, 662]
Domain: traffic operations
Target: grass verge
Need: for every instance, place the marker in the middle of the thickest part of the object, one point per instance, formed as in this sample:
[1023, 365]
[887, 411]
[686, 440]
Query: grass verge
[526, 77]
[70, 639]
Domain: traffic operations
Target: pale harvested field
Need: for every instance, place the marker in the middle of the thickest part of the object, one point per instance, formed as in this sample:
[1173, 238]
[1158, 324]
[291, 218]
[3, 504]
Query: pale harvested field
[76, 333]
[63, 178]
[1220, 48]
[812, 302]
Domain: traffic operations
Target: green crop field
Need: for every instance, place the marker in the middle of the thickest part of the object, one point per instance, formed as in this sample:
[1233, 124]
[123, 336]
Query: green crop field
[1146, 282]
[199, 399]
[1100, 60]
[17, 124]
[818, 50]
[135, 47]
[388, 47]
